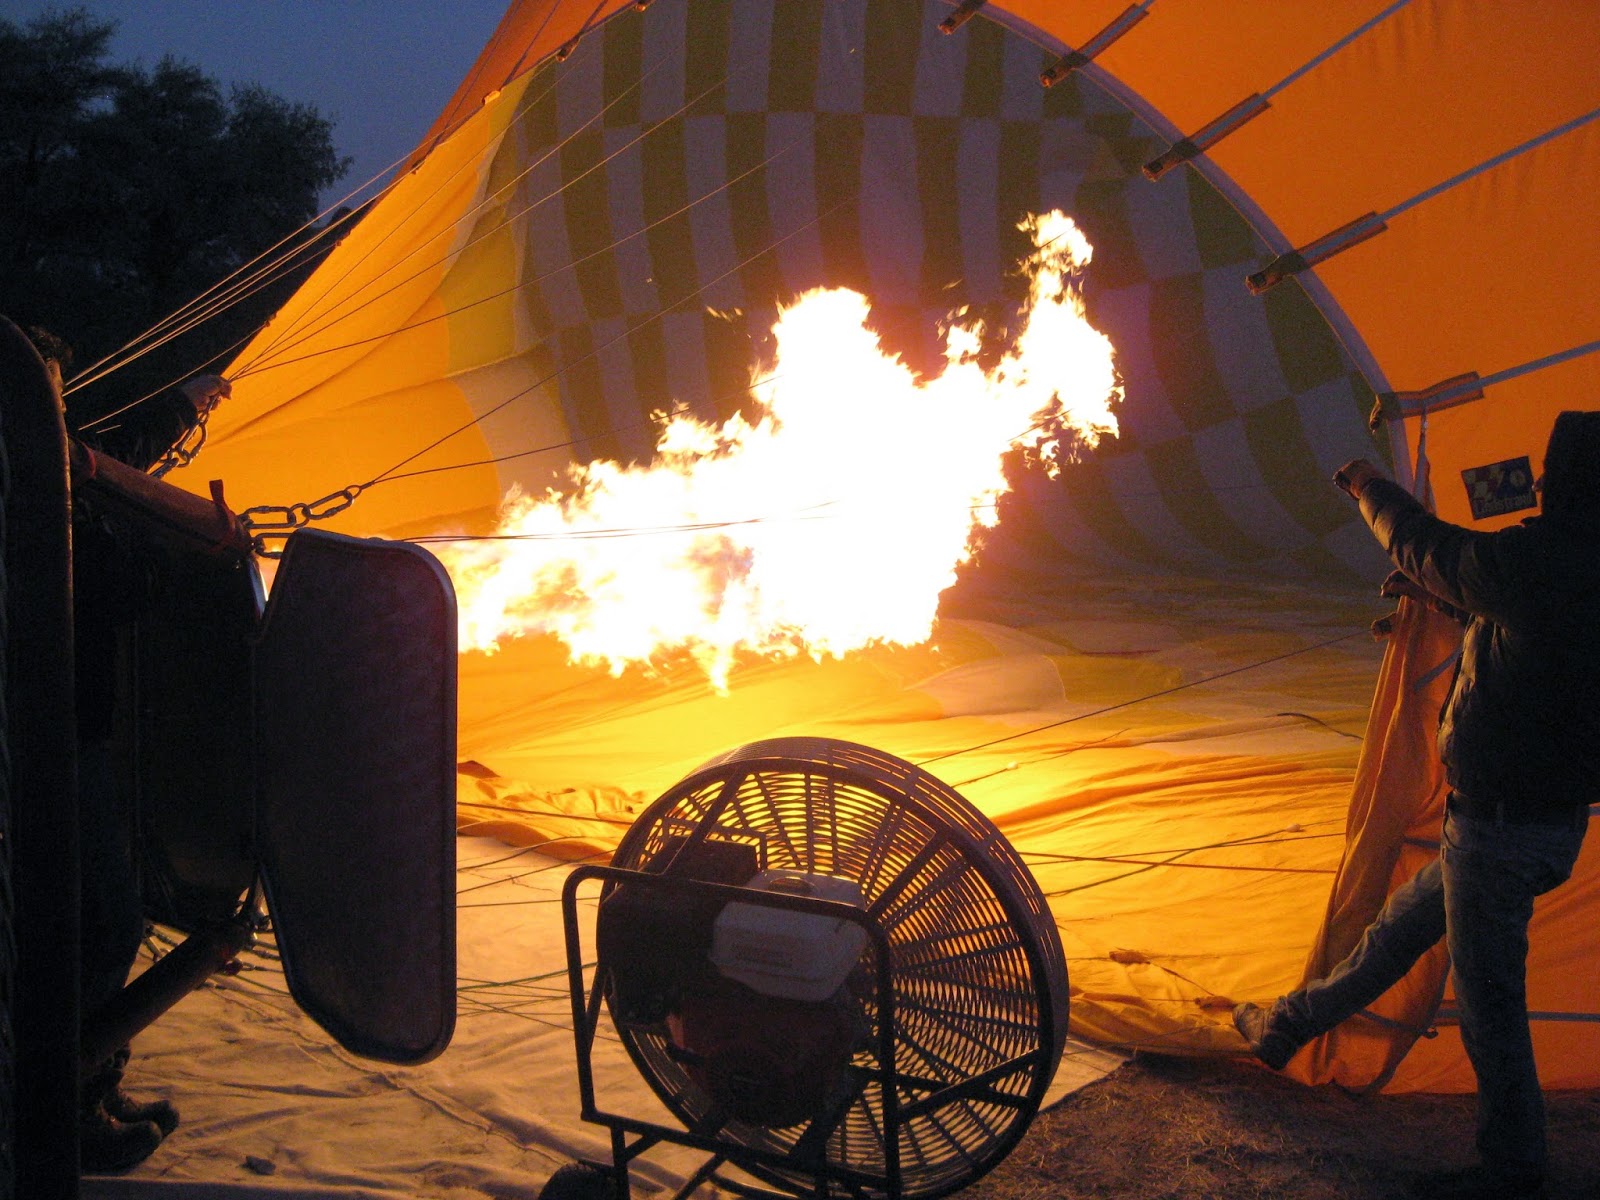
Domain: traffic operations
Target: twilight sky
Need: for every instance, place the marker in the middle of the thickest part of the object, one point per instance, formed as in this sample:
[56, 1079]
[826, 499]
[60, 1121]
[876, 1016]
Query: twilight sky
[380, 69]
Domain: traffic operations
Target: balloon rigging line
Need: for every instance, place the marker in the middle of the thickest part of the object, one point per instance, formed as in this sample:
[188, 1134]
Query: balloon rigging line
[275, 363]
[299, 256]
[1118, 741]
[538, 812]
[349, 493]
[99, 423]
[1490, 164]
[1052, 755]
[327, 318]
[1276, 838]
[311, 320]
[1339, 45]
[554, 865]
[264, 275]
[654, 419]
[204, 297]
[485, 864]
[628, 332]
[1476, 383]
[282, 267]
[269, 272]
[515, 71]
[518, 996]
[1254, 839]
[471, 983]
[1172, 861]
[571, 43]
[1344, 733]
[628, 531]
[523, 107]
[1010, 737]
[610, 431]
[1012, 766]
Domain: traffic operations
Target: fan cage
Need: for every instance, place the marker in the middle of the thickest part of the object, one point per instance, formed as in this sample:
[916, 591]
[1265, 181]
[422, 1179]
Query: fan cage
[979, 982]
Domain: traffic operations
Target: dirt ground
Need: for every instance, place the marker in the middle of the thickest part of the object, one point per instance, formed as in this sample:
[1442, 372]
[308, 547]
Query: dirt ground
[1163, 1128]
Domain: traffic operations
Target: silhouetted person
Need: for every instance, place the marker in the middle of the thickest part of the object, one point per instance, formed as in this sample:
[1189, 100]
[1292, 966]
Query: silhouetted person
[1520, 743]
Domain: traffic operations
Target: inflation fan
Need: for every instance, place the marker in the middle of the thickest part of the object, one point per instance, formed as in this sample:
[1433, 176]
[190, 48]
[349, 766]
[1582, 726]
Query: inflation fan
[831, 968]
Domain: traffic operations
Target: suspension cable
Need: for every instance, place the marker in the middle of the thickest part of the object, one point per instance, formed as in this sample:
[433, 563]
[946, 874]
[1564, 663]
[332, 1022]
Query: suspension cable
[83, 377]
[100, 421]
[310, 323]
[272, 521]
[1359, 230]
[266, 274]
[308, 315]
[205, 308]
[628, 332]
[527, 283]
[1208, 135]
[1011, 737]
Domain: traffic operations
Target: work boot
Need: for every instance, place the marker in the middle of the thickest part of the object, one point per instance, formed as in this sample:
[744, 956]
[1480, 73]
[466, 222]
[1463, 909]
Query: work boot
[106, 1145]
[1271, 1046]
[107, 1084]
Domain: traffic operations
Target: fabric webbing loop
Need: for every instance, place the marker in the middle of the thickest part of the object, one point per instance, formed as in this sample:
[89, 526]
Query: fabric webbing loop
[1074, 59]
[1393, 406]
[963, 13]
[1252, 106]
[564, 51]
[1464, 389]
[1362, 228]
[1434, 672]
[1184, 149]
[1490, 164]
[1326, 246]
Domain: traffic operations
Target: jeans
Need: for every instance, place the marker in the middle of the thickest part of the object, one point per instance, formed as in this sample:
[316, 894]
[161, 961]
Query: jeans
[1478, 894]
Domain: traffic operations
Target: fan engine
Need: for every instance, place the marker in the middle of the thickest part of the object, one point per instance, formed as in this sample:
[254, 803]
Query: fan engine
[832, 969]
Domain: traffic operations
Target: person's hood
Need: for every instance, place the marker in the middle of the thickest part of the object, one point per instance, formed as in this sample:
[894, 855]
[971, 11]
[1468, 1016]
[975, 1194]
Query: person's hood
[1572, 472]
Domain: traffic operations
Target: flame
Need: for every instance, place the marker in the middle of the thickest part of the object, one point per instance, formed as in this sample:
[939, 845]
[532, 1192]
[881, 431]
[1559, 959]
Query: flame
[830, 523]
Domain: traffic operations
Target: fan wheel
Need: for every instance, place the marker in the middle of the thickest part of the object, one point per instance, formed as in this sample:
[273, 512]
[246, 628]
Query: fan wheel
[979, 981]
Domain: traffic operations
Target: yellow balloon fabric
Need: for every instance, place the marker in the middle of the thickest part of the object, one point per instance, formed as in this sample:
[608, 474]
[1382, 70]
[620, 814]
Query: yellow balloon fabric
[1156, 676]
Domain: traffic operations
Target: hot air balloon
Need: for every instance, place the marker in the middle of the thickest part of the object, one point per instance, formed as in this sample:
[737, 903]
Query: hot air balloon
[732, 358]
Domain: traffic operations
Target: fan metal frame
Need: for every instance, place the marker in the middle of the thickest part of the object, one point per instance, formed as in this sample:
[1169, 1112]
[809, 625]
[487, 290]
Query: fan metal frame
[963, 958]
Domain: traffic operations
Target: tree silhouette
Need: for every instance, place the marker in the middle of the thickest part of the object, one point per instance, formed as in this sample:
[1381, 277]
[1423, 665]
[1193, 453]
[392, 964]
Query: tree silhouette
[126, 192]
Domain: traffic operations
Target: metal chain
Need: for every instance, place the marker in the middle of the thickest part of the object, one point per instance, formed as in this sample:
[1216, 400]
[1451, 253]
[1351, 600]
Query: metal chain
[277, 521]
[181, 455]
[264, 522]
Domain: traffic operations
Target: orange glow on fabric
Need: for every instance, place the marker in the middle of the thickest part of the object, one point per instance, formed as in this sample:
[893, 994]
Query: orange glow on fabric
[831, 522]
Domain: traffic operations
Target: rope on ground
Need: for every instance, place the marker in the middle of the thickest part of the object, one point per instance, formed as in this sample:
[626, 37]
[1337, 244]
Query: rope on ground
[1011, 737]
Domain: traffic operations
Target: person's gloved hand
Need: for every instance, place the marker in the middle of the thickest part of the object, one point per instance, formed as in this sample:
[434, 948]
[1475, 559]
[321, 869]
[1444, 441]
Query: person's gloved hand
[1355, 475]
[1398, 584]
[205, 392]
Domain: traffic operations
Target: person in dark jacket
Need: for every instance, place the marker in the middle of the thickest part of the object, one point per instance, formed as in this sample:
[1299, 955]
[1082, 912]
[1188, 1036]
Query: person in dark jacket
[1520, 742]
[115, 1131]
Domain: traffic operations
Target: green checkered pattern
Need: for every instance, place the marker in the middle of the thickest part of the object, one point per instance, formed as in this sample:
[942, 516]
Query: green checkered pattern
[870, 151]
